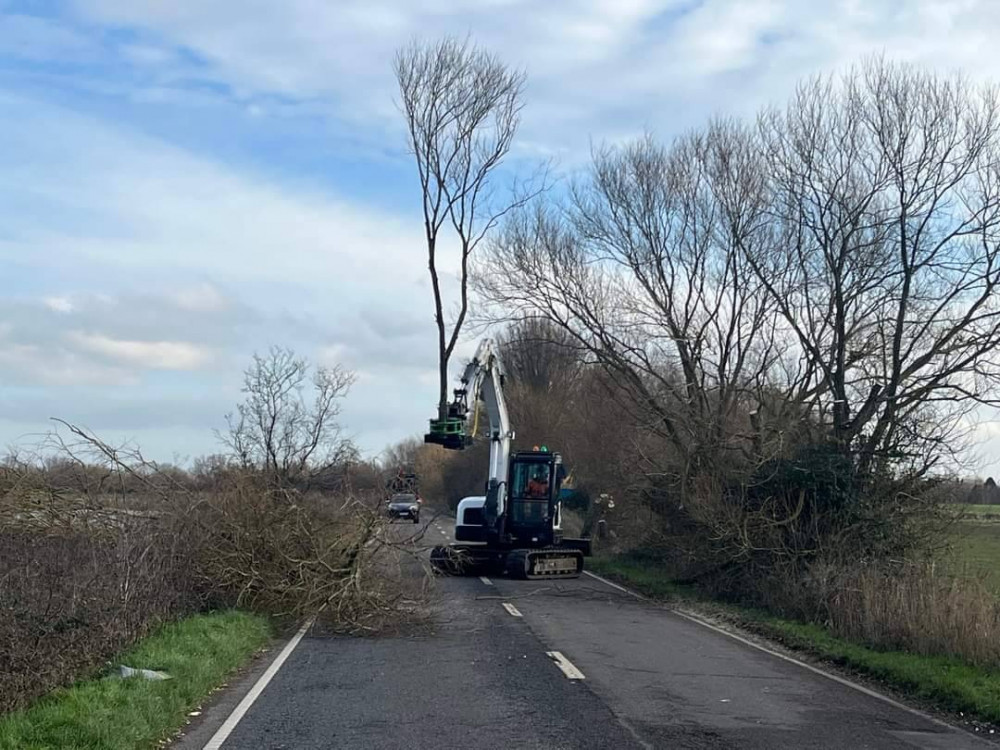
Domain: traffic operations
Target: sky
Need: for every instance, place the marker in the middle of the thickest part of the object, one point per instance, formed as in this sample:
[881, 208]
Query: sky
[183, 183]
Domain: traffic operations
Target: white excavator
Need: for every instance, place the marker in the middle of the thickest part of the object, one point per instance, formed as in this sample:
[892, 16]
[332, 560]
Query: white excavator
[516, 527]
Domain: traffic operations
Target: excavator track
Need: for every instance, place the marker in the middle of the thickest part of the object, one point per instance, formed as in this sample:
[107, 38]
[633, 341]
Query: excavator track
[538, 564]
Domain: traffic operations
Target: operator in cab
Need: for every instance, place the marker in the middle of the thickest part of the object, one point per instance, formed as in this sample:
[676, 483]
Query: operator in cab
[538, 485]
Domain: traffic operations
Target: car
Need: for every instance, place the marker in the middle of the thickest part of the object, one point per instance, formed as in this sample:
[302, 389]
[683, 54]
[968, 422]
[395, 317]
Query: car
[404, 505]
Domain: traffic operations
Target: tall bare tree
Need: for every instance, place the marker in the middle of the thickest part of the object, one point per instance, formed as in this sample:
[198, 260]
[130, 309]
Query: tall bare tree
[276, 430]
[462, 109]
[885, 187]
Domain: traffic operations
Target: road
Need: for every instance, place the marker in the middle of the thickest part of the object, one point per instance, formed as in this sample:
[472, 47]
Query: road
[481, 677]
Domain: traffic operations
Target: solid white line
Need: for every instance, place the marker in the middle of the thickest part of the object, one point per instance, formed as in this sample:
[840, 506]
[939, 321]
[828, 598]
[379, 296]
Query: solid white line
[613, 585]
[234, 718]
[566, 666]
[486, 580]
[792, 660]
[816, 670]
[512, 609]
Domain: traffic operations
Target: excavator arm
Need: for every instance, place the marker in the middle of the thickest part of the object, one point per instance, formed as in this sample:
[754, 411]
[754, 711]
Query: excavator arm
[482, 380]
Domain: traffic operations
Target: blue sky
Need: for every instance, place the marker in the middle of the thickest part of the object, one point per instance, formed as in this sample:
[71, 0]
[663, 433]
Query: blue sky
[185, 182]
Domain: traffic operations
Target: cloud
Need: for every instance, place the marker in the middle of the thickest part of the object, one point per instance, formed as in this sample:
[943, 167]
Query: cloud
[146, 355]
[202, 297]
[36, 365]
[143, 266]
[598, 68]
[58, 304]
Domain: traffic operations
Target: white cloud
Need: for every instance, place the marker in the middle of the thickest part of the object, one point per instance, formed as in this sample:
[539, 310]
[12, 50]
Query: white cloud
[58, 304]
[175, 268]
[117, 198]
[149, 355]
[56, 368]
[597, 68]
[200, 298]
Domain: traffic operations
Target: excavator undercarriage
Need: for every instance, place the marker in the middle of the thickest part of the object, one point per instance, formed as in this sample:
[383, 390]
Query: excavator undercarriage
[522, 564]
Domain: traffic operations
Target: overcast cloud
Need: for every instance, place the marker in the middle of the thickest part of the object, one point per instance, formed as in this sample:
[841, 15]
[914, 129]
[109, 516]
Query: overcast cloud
[184, 183]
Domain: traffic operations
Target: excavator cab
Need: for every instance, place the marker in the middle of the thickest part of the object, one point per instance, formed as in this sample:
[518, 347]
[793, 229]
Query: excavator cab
[533, 496]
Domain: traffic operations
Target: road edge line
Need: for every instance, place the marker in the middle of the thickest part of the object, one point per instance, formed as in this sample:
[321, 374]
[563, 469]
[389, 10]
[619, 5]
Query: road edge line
[816, 670]
[223, 732]
[614, 585]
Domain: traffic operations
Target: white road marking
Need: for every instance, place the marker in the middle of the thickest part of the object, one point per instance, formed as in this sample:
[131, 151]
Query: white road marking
[565, 665]
[792, 660]
[234, 718]
[612, 585]
[486, 580]
[512, 609]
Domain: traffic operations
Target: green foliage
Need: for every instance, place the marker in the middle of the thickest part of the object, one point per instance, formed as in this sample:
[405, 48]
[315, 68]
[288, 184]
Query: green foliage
[823, 472]
[115, 714]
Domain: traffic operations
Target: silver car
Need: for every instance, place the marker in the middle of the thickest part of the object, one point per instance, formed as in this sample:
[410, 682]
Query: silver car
[404, 505]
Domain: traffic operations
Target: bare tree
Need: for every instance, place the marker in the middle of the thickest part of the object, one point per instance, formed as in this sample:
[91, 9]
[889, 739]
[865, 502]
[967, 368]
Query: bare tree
[642, 269]
[275, 430]
[885, 188]
[462, 109]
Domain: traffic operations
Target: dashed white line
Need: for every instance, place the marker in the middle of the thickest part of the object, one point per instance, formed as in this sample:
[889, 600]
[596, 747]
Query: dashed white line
[565, 665]
[234, 718]
[511, 609]
[486, 580]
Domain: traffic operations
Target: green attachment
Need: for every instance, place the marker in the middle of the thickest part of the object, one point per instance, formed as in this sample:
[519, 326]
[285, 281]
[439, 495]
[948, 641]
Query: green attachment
[449, 433]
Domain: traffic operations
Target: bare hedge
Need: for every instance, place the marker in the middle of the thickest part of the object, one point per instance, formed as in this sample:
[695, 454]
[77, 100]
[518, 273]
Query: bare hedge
[87, 569]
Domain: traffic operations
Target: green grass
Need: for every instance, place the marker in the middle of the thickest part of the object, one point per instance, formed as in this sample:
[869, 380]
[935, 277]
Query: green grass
[947, 682]
[643, 576]
[112, 714]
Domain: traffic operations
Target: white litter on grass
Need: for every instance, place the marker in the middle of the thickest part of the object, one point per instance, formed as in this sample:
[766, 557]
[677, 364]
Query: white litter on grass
[146, 674]
[514, 612]
[565, 665]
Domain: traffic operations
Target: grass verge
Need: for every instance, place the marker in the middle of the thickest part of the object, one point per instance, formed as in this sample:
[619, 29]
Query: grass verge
[946, 682]
[115, 714]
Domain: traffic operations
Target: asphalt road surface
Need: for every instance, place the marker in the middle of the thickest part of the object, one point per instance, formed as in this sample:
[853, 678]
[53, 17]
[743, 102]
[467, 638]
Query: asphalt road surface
[629, 674]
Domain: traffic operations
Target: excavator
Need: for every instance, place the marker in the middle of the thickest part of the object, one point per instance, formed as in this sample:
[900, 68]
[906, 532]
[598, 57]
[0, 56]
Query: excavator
[516, 527]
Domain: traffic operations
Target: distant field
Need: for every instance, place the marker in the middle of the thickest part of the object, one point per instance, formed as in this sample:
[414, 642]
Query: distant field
[988, 511]
[977, 549]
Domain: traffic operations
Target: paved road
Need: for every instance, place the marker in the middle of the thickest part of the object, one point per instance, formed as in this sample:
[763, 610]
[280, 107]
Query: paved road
[481, 678]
